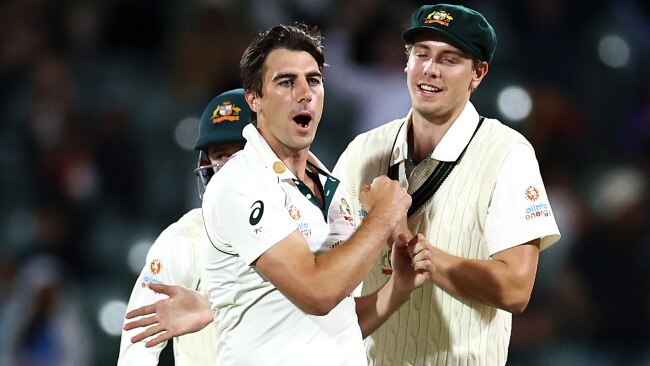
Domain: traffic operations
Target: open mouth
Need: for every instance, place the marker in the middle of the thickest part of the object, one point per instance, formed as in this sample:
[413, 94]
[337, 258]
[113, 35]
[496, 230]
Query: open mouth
[302, 120]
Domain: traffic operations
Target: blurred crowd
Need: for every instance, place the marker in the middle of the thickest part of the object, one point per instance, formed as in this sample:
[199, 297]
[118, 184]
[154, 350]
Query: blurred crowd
[94, 97]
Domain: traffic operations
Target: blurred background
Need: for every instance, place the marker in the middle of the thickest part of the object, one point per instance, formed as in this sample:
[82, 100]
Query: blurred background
[99, 108]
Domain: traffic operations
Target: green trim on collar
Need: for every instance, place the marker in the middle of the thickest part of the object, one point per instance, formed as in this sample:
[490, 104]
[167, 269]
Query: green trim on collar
[331, 184]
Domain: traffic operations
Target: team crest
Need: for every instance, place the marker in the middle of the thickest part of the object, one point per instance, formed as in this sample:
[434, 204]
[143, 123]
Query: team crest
[226, 111]
[532, 193]
[344, 207]
[440, 17]
[155, 266]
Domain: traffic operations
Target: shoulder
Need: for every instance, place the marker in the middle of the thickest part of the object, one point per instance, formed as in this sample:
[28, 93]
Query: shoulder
[181, 233]
[383, 132]
[498, 131]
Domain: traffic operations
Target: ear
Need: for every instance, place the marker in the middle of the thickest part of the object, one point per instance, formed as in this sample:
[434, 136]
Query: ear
[253, 101]
[478, 74]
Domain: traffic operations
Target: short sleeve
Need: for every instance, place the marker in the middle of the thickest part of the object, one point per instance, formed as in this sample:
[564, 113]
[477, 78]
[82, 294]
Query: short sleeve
[520, 210]
[247, 215]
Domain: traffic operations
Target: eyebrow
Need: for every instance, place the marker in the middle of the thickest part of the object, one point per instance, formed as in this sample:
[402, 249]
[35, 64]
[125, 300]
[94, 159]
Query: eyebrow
[292, 75]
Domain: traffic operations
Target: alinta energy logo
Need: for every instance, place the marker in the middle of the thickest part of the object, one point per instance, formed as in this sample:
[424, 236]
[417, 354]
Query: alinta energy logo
[536, 209]
[155, 266]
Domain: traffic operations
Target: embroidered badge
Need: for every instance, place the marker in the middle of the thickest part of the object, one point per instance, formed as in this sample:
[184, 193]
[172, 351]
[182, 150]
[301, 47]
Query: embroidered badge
[226, 111]
[439, 16]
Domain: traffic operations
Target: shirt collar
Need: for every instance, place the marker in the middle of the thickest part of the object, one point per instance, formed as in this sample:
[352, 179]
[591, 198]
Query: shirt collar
[452, 143]
[259, 150]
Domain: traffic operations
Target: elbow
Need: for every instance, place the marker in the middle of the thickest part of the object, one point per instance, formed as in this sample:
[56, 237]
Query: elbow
[320, 304]
[516, 306]
[514, 301]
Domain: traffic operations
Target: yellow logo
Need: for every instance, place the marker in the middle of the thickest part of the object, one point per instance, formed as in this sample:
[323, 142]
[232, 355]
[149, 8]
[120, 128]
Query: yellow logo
[226, 111]
[155, 266]
[440, 17]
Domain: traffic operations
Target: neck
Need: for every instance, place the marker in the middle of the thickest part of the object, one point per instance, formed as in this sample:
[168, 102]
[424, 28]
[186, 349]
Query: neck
[426, 132]
[424, 136]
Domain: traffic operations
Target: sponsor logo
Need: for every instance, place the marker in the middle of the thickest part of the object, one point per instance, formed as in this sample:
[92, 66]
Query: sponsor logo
[155, 266]
[294, 212]
[305, 230]
[149, 279]
[532, 193]
[538, 210]
[256, 213]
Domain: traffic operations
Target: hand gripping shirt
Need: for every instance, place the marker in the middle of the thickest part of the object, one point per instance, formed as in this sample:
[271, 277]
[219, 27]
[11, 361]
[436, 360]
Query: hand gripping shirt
[493, 199]
[251, 204]
[175, 258]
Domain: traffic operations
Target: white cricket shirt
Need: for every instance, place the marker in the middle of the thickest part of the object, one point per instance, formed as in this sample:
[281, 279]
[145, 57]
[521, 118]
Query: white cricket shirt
[251, 204]
[175, 258]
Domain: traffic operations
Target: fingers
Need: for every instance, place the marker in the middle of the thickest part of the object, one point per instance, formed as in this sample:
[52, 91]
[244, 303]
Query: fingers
[159, 288]
[157, 330]
[164, 337]
[144, 310]
[142, 322]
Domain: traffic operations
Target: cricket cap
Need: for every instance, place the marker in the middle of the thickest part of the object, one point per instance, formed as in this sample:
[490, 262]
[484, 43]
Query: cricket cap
[467, 29]
[223, 119]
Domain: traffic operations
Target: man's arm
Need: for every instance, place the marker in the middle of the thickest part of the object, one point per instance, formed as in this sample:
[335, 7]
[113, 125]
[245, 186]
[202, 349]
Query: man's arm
[505, 281]
[408, 274]
[316, 284]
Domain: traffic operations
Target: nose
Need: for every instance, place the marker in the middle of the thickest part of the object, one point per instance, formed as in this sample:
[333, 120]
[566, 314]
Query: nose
[303, 91]
[431, 69]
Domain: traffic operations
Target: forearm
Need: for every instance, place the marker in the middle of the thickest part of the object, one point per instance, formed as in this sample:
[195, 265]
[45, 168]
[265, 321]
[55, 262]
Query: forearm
[373, 310]
[504, 282]
[343, 268]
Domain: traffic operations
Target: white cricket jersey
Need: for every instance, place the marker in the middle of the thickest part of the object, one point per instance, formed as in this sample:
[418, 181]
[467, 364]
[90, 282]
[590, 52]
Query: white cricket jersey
[251, 204]
[174, 259]
[494, 199]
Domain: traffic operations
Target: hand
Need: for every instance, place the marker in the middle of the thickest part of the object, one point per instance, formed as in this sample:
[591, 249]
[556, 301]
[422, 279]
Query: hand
[385, 198]
[411, 266]
[184, 311]
[421, 253]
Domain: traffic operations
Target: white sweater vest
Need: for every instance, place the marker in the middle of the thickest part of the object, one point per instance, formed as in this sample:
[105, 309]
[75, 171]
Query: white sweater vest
[433, 327]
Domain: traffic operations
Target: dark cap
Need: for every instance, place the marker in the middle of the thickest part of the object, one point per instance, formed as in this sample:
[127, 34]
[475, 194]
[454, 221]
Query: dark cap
[467, 29]
[223, 119]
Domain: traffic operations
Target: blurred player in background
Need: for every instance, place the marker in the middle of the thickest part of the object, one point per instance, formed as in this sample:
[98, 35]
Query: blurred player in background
[176, 257]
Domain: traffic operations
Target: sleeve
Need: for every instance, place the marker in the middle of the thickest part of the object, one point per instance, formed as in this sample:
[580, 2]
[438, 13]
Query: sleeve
[169, 261]
[248, 217]
[520, 210]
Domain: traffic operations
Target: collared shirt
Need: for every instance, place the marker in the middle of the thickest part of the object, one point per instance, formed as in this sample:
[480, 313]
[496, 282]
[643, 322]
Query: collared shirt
[175, 258]
[513, 218]
[250, 205]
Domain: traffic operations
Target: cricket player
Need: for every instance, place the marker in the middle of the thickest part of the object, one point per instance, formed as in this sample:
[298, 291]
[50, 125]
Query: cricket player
[176, 256]
[479, 202]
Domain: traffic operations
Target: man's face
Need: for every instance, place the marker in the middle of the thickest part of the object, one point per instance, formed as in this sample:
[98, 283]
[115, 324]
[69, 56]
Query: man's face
[219, 154]
[440, 78]
[290, 109]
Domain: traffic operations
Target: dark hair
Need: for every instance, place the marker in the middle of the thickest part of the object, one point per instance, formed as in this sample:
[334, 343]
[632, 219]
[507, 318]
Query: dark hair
[295, 38]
